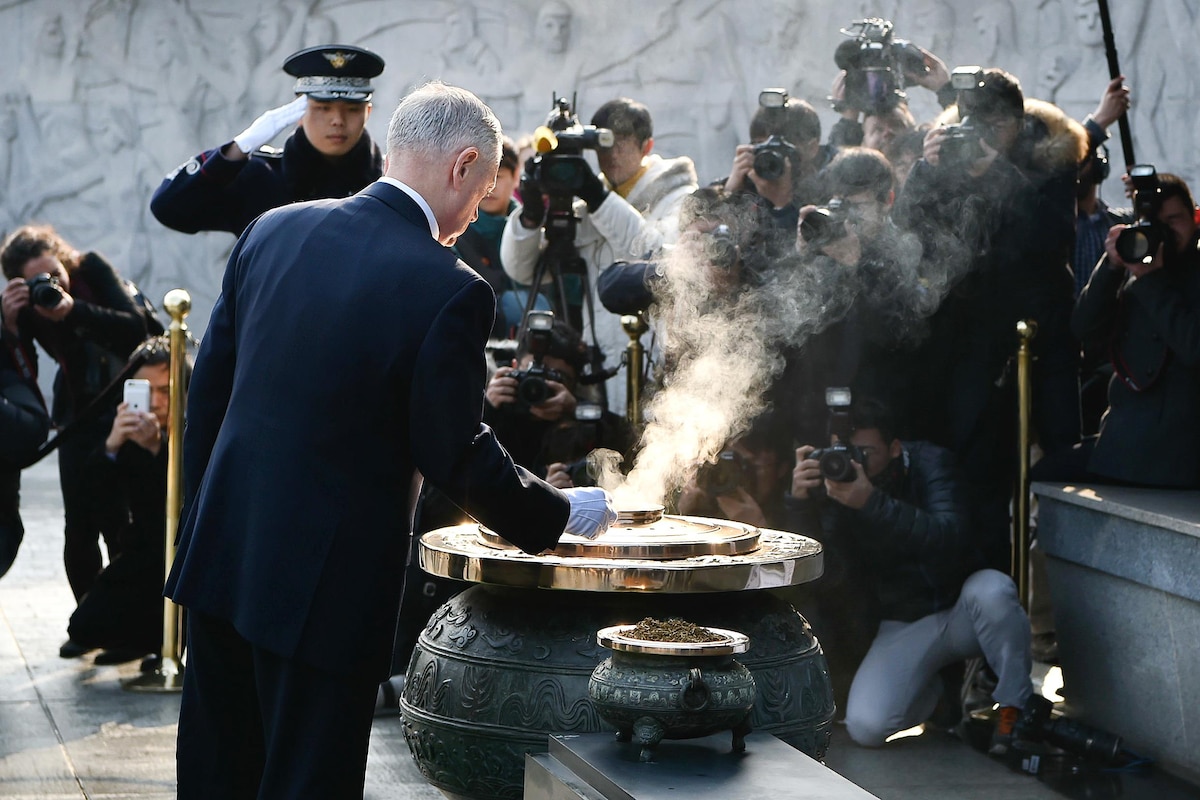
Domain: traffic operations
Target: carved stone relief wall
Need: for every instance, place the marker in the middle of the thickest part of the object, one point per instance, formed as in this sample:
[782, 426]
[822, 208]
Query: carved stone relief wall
[102, 98]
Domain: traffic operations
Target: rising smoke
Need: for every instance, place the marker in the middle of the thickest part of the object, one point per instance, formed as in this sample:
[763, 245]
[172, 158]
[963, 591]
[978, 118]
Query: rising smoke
[722, 338]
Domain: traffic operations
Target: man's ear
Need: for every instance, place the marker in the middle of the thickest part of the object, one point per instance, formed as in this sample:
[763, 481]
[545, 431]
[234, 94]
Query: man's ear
[467, 160]
[647, 146]
[895, 449]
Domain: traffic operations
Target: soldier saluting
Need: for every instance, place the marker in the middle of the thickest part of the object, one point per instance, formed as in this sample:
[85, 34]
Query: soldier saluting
[329, 154]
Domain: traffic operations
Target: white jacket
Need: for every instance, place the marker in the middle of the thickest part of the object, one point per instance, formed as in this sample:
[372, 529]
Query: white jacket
[619, 230]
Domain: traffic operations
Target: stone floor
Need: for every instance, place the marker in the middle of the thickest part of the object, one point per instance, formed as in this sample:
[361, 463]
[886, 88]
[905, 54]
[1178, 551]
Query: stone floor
[69, 730]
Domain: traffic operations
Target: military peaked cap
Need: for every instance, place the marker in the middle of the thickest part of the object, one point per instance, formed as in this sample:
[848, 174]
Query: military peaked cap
[334, 72]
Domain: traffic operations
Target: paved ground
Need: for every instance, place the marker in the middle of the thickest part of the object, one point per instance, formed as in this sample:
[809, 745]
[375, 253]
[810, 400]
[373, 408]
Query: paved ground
[69, 730]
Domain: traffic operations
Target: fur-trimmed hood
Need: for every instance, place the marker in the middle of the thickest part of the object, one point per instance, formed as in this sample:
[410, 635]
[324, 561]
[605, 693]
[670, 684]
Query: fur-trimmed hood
[1052, 141]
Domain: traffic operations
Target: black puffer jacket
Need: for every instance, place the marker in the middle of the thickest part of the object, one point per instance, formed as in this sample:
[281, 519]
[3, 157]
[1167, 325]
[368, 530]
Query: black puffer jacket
[911, 542]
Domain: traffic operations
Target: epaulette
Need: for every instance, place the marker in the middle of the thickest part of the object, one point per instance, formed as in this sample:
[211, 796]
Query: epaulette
[266, 151]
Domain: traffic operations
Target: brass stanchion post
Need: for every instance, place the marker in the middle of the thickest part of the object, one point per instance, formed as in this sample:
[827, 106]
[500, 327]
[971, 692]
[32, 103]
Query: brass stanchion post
[635, 356]
[1026, 330]
[168, 675]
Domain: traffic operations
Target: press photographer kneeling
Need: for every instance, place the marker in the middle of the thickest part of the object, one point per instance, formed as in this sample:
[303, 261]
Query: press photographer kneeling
[901, 518]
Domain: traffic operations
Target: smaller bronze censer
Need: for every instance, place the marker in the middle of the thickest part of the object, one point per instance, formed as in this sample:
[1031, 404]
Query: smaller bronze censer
[672, 680]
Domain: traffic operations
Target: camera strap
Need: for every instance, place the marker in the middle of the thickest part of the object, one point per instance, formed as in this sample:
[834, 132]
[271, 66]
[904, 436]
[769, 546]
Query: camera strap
[1124, 372]
[24, 363]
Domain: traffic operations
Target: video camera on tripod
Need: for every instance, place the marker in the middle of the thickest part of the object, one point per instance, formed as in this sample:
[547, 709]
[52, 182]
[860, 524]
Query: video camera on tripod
[559, 167]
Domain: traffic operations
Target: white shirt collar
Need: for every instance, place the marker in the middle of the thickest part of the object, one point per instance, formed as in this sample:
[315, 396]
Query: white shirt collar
[434, 230]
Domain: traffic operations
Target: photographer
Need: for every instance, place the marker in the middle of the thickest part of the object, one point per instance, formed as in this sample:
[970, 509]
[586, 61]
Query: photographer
[123, 611]
[532, 406]
[329, 154]
[625, 213]
[747, 481]
[872, 293]
[993, 202]
[24, 425]
[1145, 313]
[900, 517]
[76, 307]
[780, 164]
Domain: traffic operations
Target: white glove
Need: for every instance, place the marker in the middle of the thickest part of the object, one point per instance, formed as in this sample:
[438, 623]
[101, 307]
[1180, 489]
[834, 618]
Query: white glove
[592, 511]
[271, 124]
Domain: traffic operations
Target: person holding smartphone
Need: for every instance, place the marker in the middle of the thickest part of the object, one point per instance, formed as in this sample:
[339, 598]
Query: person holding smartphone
[122, 613]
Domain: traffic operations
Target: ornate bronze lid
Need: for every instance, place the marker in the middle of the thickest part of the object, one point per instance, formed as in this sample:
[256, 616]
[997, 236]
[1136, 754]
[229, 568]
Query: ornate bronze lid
[675, 554]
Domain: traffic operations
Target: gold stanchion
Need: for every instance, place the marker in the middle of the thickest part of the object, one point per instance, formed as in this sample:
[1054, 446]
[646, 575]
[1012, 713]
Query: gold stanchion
[1026, 330]
[635, 355]
[168, 675]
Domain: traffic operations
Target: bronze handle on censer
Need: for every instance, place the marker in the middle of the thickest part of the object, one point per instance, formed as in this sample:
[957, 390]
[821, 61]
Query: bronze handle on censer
[695, 697]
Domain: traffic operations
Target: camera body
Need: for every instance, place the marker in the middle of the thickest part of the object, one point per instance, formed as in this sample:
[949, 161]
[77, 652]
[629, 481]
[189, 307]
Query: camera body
[962, 145]
[45, 290]
[876, 65]
[559, 167]
[836, 459]
[770, 157]
[721, 248]
[532, 387]
[726, 475]
[1139, 240]
[824, 224]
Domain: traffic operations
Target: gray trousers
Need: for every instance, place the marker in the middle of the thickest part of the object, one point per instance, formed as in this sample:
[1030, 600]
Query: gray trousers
[897, 685]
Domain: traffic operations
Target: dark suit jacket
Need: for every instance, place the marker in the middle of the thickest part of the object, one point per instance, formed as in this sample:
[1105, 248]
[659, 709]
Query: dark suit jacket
[343, 360]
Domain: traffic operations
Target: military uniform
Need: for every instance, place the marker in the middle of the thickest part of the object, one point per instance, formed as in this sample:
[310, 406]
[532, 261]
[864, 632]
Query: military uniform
[211, 192]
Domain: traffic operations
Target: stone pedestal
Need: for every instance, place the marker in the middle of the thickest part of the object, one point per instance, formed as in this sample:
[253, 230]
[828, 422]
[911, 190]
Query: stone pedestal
[1123, 565]
[593, 766]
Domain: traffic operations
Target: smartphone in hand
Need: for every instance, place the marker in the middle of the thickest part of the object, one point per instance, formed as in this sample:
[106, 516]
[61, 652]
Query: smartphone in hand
[137, 394]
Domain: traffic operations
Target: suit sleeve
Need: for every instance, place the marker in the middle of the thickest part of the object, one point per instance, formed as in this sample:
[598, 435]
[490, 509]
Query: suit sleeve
[453, 449]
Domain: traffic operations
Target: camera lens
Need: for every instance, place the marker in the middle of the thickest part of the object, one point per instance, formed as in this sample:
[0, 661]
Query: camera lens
[533, 390]
[769, 165]
[44, 292]
[837, 466]
[1134, 243]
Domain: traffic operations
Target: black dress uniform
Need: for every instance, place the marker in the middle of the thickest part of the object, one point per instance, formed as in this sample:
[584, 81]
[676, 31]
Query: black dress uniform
[210, 192]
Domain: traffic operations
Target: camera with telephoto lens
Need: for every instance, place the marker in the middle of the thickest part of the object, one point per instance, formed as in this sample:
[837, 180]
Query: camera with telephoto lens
[45, 290]
[963, 143]
[876, 65]
[532, 386]
[559, 167]
[824, 224]
[726, 475]
[1139, 240]
[1038, 724]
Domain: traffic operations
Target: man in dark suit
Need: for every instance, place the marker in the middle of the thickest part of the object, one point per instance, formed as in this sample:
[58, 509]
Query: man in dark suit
[343, 361]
